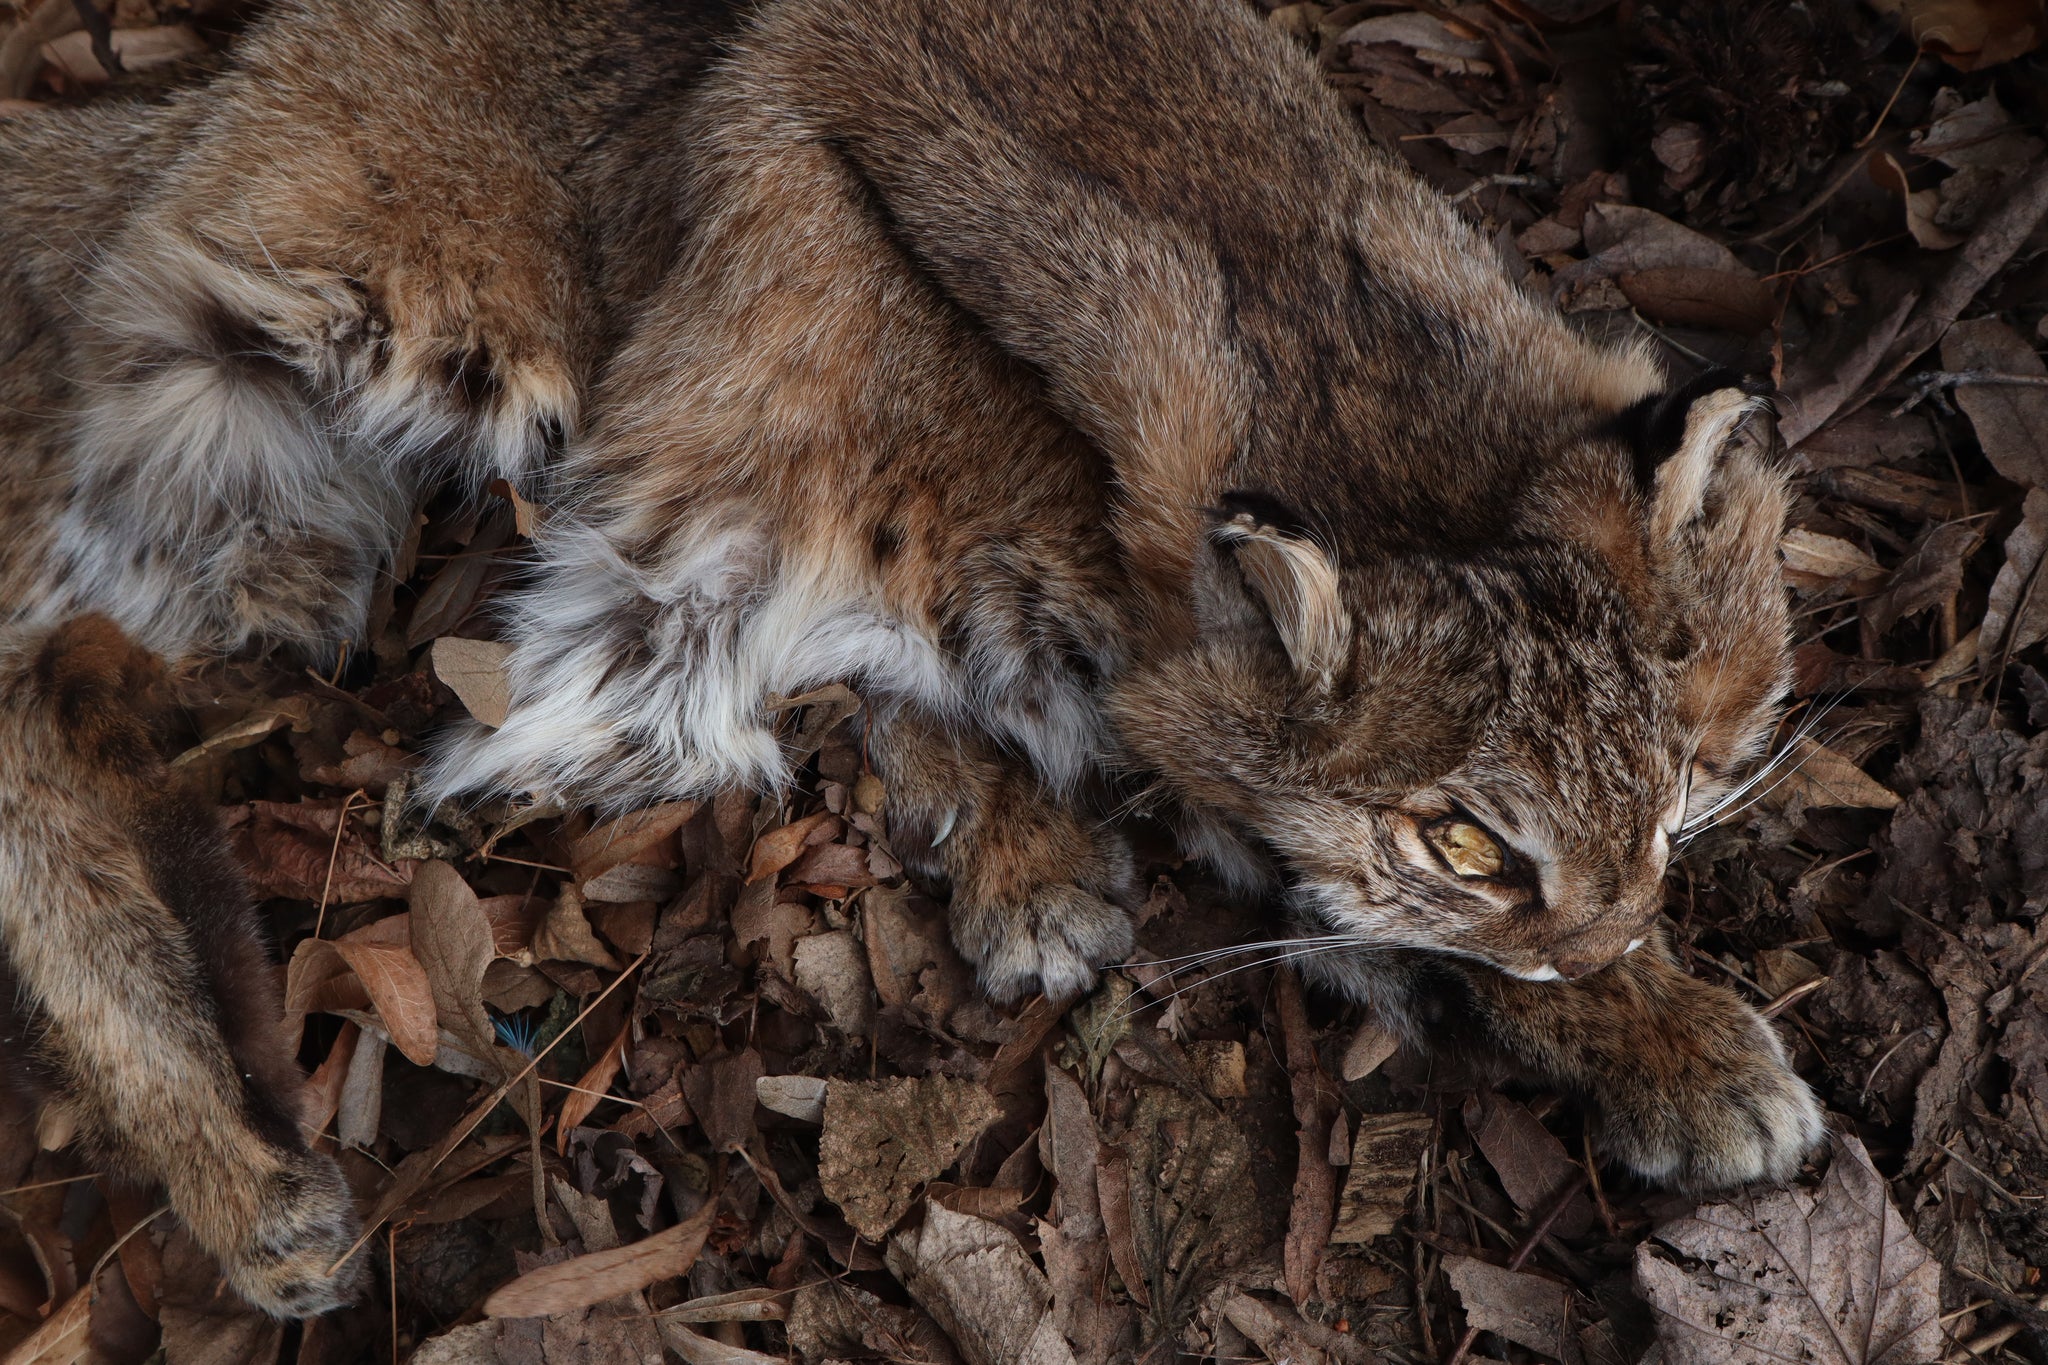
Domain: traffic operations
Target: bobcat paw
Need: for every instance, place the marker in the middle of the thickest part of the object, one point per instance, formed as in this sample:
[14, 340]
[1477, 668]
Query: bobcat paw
[307, 1222]
[1055, 942]
[1726, 1109]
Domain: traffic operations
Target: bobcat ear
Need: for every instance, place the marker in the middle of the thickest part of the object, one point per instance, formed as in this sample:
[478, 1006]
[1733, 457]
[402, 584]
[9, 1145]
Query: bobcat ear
[1676, 438]
[1292, 576]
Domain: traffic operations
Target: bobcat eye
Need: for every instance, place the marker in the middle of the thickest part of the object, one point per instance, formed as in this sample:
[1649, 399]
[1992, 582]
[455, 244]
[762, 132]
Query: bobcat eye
[1466, 849]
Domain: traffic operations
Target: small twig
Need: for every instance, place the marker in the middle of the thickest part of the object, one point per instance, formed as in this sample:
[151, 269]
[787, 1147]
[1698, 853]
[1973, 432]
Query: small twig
[1928, 382]
[102, 32]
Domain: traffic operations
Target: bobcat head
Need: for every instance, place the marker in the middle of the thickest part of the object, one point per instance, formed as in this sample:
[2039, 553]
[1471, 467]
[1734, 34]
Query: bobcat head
[1491, 754]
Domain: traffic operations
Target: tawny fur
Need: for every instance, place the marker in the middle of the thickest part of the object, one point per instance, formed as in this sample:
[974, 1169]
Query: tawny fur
[1195, 447]
[141, 997]
[242, 334]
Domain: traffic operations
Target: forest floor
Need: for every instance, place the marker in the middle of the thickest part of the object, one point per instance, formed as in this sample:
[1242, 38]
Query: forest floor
[708, 1079]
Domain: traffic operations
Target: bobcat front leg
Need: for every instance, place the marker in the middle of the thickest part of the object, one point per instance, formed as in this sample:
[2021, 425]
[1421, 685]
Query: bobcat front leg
[1036, 887]
[137, 994]
[1691, 1086]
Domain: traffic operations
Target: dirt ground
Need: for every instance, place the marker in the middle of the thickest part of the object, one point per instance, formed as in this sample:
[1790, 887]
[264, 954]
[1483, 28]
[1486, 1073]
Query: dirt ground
[707, 1079]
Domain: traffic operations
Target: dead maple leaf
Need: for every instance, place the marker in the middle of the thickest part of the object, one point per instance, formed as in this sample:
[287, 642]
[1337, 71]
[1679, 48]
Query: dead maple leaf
[1829, 1276]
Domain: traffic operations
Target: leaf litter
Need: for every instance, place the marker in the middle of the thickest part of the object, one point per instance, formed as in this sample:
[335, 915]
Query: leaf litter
[706, 1082]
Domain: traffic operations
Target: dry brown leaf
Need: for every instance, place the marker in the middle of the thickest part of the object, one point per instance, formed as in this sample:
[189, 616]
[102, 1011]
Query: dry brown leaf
[398, 988]
[1970, 34]
[884, 1139]
[721, 1091]
[1187, 1177]
[565, 935]
[783, 845]
[1532, 1164]
[626, 838]
[1687, 296]
[980, 1285]
[834, 1319]
[838, 865]
[475, 672]
[1527, 1309]
[1831, 1275]
[585, 1280]
[64, 1338]
[591, 1086]
[1814, 561]
[1385, 1152]
[1929, 576]
[453, 593]
[1623, 241]
[454, 942]
[1922, 207]
[290, 849]
[798, 1097]
[359, 1111]
[2011, 420]
[1072, 1237]
[832, 969]
[1818, 776]
[2017, 613]
[204, 1326]
[137, 49]
[258, 725]
[629, 882]
[697, 1349]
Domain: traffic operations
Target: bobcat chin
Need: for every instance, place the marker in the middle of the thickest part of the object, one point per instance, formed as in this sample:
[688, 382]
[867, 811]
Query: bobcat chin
[1197, 454]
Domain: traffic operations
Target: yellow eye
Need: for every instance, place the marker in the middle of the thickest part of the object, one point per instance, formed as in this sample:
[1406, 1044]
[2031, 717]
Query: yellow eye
[1470, 850]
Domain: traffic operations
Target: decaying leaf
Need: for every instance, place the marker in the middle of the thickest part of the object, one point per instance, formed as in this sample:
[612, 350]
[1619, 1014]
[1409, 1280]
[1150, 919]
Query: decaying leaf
[1814, 561]
[2017, 614]
[884, 1139]
[475, 672]
[1831, 1275]
[2011, 420]
[600, 1275]
[1527, 1309]
[453, 941]
[1931, 575]
[1970, 34]
[1191, 1209]
[978, 1282]
[1816, 775]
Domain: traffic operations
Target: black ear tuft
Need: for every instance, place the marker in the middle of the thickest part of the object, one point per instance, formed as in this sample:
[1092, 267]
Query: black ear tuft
[1653, 427]
[1265, 510]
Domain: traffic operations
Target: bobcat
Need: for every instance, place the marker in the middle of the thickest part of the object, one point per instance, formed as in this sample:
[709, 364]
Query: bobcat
[1073, 377]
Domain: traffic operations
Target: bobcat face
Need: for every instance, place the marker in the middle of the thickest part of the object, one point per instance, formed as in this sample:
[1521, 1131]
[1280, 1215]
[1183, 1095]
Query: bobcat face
[1493, 756]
